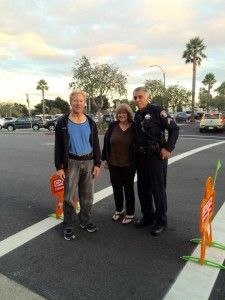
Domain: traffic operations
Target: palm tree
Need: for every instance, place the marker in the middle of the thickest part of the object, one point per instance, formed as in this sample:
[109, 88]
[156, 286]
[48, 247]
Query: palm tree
[43, 86]
[209, 81]
[221, 89]
[194, 54]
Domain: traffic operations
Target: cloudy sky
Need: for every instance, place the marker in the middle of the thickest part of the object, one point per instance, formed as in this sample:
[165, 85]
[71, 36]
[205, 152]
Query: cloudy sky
[42, 39]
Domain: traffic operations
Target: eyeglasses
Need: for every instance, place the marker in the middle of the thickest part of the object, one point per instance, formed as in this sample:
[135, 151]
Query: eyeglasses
[140, 97]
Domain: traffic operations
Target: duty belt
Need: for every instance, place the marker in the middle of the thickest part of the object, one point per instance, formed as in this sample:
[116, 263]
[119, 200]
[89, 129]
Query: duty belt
[150, 149]
[88, 156]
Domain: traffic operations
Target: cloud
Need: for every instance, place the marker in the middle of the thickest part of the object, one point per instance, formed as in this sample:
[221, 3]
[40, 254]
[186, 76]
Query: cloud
[28, 44]
[43, 40]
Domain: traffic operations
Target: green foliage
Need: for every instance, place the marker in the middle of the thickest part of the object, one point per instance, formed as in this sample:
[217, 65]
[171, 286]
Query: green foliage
[221, 89]
[43, 86]
[62, 105]
[209, 81]
[13, 110]
[194, 54]
[98, 101]
[98, 81]
[102, 126]
[203, 98]
[194, 51]
[155, 87]
[177, 96]
[57, 106]
[218, 102]
[130, 103]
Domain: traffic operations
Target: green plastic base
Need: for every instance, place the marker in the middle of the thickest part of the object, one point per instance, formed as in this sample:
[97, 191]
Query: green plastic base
[54, 216]
[214, 244]
[205, 262]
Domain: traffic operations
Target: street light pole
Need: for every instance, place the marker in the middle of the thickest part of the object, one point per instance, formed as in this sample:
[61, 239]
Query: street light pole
[164, 81]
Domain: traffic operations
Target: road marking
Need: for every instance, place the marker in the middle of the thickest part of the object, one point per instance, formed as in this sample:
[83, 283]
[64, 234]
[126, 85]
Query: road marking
[191, 152]
[13, 290]
[24, 236]
[196, 281]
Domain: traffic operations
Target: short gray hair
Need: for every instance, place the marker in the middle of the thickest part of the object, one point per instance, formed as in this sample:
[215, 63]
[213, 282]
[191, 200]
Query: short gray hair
[142, 88]
[78, 92]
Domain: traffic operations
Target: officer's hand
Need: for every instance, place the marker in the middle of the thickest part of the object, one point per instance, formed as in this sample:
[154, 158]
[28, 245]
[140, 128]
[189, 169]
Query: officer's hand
[164, 153]
[105, 164]
[61, 174]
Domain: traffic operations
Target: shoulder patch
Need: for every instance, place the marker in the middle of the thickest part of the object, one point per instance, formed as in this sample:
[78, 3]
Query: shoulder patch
[163, 114]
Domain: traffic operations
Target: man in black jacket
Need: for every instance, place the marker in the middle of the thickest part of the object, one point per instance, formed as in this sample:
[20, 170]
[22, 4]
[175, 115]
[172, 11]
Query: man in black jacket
[77, 161]
[152, 153]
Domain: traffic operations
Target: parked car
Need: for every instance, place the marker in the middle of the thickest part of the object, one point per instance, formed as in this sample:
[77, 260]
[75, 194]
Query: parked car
[24, 122]
[182, 117]
[108, 118]
[91, 116]
[212, 121]
[94, 117]
[50, 125]
[6, 119]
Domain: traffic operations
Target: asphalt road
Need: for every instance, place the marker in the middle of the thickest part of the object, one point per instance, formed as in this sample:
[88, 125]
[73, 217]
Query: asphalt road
[117, 262]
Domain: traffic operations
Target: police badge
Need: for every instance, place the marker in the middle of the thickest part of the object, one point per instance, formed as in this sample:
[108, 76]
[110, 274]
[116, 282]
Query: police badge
[163, 114]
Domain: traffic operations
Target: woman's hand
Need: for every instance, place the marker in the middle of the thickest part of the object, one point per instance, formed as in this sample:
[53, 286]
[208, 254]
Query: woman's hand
[105, 164]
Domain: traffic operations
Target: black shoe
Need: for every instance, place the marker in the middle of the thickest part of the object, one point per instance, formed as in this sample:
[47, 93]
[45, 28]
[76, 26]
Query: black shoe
[158, 229]
[90, 227]
[68, 234]
[143, 223]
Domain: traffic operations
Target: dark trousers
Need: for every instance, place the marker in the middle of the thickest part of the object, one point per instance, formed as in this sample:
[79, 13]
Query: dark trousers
[122, 179]
[151, 174]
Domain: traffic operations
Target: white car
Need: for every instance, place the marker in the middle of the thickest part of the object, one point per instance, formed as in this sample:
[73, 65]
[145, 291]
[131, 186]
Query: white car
[6, 119]
[211, 122]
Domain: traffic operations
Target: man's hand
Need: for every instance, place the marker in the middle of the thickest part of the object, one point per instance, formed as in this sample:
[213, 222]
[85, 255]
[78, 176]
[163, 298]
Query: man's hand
[164, 153]
[61, 174]
[96, 171]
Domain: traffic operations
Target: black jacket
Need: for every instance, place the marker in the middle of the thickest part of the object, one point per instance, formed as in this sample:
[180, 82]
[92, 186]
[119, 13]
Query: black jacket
[151, 124]
[62, 142]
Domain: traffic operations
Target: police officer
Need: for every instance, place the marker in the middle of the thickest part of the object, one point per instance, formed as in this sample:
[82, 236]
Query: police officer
[152, 153]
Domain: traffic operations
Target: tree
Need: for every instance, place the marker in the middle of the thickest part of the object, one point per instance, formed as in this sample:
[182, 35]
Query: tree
[203, 98]
[177, 96]
[209, 81]
[57, 106]
[15, 110]
[219, 102]
[62, 105]
[155, 87]
[130, 103]
[194, 54]
[98, 81]
[43, 86]
[221, 89]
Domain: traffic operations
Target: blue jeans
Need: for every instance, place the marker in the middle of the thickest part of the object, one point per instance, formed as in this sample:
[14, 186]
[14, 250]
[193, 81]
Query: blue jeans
[78, 183]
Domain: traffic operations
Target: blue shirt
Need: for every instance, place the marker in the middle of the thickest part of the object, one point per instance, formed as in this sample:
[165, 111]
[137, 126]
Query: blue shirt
[79, 138]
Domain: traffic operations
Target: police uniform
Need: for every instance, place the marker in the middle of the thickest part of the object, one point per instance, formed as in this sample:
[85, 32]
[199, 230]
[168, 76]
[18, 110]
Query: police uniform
[151, 124]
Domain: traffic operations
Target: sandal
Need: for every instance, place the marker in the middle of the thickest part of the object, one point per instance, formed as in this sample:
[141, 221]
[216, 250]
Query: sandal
[127, 220]
[117, 215]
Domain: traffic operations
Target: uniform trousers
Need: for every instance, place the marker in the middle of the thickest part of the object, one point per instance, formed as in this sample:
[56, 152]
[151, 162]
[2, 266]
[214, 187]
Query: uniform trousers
[151, 184]
[122, 179]
[78, 182]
